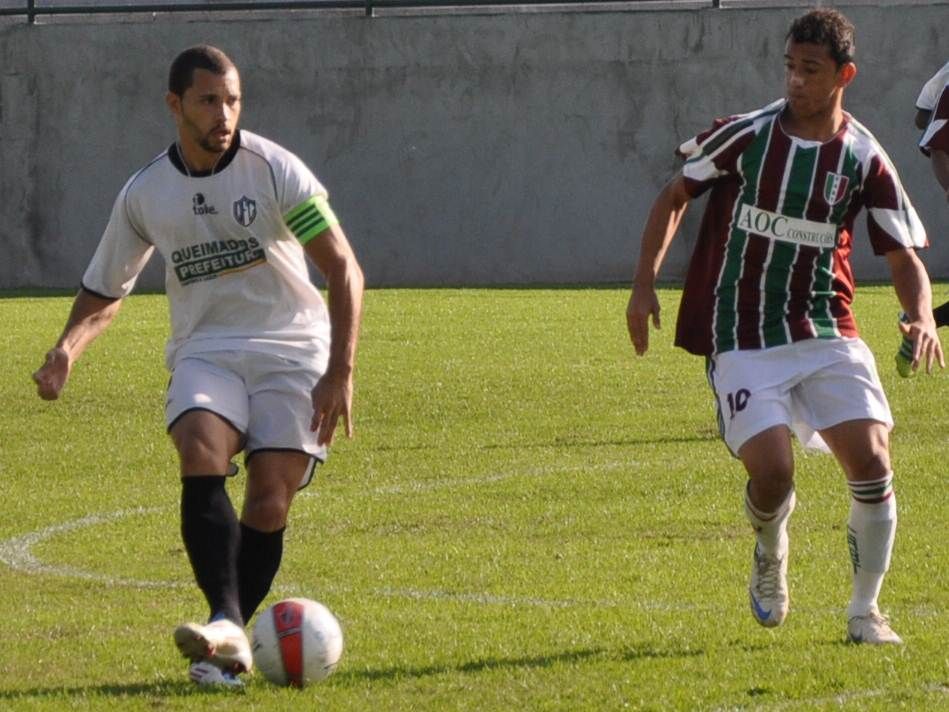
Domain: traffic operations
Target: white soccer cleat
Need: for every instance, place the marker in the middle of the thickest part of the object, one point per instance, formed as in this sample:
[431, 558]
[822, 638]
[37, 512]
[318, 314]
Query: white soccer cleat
[207, 674]
[768, 589]
[872, 628]
[222, 643]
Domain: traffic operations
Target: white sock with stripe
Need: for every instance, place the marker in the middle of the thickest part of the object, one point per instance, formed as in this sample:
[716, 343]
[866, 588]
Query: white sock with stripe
[870, 532]
[771, 527]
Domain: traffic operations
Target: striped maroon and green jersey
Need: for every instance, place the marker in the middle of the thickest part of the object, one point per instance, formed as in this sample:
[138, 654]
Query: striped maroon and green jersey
[772, 262]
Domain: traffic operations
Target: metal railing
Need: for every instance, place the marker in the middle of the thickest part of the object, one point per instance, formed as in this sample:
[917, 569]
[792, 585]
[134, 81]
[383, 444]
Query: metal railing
[30, 9]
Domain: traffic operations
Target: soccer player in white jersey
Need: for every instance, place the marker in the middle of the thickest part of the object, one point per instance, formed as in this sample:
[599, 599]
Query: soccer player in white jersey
[258, 363]
[767, 302]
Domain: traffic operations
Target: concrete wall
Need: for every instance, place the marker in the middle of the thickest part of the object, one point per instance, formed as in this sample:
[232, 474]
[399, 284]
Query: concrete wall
[458, 149]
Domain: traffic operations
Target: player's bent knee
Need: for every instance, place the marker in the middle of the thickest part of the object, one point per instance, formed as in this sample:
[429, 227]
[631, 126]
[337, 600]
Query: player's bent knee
[267, 512]
[872, 467]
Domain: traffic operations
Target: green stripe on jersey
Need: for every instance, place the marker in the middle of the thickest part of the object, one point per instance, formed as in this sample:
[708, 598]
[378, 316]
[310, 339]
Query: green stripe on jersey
[823, 291]
[778, 269]
[310, 218]
[849, 169]
[776, 292]
[726, 316]
[800, 182]
[823, 287]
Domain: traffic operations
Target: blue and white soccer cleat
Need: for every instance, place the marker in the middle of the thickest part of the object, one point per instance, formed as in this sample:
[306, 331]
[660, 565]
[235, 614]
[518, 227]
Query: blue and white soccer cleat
[207, 674]
[222, 643]
[768, 589]
[873, 629]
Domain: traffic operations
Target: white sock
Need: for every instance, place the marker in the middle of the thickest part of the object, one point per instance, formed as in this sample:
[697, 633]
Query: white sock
[771, 527]
[870, 532]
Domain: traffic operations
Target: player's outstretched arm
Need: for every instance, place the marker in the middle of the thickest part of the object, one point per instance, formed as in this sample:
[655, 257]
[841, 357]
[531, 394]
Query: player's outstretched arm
[915, 294]
[90, 315]
[661, 227]
[333, 394]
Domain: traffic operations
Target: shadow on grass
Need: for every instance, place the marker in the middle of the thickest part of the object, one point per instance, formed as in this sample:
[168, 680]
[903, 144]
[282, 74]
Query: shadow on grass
[137, 690]
[394, 673]
[473, 666]
[346, 677]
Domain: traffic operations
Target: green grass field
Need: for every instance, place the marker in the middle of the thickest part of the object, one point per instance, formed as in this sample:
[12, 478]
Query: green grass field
[529, 518]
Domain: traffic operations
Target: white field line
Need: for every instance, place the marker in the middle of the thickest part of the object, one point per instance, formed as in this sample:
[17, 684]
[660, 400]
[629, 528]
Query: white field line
[17, 553]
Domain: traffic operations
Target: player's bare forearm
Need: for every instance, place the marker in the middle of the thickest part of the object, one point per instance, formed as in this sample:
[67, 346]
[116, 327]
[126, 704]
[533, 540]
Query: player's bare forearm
[332, 396]
[661, 227]
[89, 317]
[912, 286]
[344, 287]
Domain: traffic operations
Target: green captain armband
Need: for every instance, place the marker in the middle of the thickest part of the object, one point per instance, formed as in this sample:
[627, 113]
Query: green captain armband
[310, 218]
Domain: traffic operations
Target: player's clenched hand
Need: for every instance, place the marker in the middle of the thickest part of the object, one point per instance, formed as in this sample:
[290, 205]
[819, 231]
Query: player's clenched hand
[643, 303]
[332, 398]
[926, 346]
[51, 377]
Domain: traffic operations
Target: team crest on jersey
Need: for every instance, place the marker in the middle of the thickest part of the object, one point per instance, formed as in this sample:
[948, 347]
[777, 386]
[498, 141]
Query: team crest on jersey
[245, 210]
[835, 187]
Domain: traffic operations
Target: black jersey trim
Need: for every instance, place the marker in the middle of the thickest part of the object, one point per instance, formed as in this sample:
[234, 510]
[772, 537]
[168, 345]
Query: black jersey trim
[273, 176]
[178, 162]
[250, 454]
[308, 474]
[94, 293]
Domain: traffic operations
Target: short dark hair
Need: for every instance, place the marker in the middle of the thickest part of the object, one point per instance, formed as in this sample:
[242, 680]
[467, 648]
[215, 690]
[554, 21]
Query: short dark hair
[181, 74]
[829, 28]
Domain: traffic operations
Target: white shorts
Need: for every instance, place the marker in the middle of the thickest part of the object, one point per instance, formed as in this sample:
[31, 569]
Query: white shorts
[808, 386]
[267, 398]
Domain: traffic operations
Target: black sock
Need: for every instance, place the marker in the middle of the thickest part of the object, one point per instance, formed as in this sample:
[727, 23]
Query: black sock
[211, 535]
[941, 315]
[257, 564]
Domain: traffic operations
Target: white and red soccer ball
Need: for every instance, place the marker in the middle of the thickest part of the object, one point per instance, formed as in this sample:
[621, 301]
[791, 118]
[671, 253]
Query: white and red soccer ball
[297, 642]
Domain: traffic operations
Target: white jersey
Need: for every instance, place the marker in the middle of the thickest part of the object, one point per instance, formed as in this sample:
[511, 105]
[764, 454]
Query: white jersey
[235, 273]
[929, 95]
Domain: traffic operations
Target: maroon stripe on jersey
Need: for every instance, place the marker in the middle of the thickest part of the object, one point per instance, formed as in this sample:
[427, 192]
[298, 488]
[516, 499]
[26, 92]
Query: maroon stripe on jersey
[802, 275]
[748, 330]
[828, 160]
[772, 168]
[880, 185]
[697, 308]
[843, 285]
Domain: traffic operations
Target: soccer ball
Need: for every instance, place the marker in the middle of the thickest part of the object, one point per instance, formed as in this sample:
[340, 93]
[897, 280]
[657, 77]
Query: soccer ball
[297, 642]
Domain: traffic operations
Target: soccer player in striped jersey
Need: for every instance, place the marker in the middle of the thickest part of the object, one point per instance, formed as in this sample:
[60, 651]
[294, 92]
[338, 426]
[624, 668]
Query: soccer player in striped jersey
[258, 362]
[767, 302]
[932, 116]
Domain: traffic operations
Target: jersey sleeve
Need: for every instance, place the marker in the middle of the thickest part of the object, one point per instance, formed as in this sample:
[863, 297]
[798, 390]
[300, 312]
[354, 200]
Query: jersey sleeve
[714, 154]
[304, 202]
[929, 95]
[892, 221]
[936, 135]
[121, 255]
